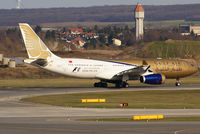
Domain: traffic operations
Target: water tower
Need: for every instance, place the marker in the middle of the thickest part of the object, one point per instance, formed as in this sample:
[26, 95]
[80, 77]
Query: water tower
[139, 17]
[18, 4]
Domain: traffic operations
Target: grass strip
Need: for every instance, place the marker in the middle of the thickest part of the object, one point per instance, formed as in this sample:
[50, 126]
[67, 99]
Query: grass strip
[150, 99]
[75, 82]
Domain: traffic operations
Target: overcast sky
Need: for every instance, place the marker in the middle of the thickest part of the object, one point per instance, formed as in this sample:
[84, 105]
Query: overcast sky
[8, 4]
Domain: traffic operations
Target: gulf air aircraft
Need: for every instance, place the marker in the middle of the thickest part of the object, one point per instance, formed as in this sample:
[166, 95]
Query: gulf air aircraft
[117, 72]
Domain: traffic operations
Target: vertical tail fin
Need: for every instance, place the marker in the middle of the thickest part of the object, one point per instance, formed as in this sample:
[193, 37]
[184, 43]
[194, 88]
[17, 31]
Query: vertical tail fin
[35, 47]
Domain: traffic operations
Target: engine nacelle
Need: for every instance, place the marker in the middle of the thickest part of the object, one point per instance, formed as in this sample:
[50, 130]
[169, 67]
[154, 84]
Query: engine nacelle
[153, 79]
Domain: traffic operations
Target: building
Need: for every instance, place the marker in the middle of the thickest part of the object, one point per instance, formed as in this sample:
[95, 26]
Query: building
[139, 17]
[117, 42]
[187, 29]
[45, 29]
[78, 42]
[195, 29]
[76, 31]
[91, 35]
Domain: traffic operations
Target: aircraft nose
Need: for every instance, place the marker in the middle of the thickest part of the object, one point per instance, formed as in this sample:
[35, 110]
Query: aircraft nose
[198, 68]
[191, 66]
[194, 67]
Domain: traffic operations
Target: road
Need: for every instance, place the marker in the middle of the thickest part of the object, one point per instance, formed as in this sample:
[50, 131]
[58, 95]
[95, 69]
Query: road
[18, 117]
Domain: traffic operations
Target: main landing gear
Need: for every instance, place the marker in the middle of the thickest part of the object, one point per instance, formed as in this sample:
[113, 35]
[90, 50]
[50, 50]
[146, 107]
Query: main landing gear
[178, 83]
[101, 84]
[118, 84]
[121, 84]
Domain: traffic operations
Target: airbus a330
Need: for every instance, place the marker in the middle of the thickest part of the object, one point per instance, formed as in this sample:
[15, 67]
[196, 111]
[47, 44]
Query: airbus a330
[117, 72]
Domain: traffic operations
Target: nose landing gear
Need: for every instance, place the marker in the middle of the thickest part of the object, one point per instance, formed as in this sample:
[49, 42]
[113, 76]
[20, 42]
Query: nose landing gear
[178, 83]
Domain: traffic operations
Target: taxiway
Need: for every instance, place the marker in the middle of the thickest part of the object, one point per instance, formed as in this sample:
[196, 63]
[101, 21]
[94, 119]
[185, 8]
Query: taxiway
[22, 117]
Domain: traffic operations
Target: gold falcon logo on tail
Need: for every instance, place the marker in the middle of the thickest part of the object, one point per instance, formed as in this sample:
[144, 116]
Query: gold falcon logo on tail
[35, 47]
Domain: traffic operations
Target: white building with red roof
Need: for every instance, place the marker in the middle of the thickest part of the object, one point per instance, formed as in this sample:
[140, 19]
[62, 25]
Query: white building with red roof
[78, 42]
[76, 31]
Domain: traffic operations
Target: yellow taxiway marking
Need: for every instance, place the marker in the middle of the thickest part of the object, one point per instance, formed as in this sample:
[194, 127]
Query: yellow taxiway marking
[176, 132]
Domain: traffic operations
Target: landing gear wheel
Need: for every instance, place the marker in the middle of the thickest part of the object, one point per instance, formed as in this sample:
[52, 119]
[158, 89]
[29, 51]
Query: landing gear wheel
[96, 85]
[125, 85]
[117, 85]
[177, 83]
[104, 85]
[101, 84]
[121, 85]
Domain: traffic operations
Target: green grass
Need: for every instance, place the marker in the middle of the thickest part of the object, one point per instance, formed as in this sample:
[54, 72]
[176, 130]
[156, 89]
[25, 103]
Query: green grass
[131, 24]
[169, 23]
[175, 99]
[60, 82]
[166, 119]
[75, 82]
[171, 49]
[164, 23]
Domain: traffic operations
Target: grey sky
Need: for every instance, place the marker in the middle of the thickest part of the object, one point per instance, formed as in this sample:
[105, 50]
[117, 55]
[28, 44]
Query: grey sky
[8, 4]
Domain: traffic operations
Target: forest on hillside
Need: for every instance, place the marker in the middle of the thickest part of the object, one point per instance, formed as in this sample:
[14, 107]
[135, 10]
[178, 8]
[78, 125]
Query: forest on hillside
[122, 13]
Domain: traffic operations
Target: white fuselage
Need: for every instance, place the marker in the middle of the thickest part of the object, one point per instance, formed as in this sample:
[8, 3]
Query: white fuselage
[86, 68]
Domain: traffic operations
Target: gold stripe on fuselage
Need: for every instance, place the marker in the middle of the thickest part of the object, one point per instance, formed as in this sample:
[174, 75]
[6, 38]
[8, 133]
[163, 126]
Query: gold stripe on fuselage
[170, 68]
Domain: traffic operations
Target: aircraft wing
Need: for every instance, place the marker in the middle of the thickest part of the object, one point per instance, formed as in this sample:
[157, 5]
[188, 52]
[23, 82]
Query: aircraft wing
[135, 71]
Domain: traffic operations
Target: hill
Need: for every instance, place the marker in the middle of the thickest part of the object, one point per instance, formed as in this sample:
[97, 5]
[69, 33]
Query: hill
[170, 49]
[121, 13]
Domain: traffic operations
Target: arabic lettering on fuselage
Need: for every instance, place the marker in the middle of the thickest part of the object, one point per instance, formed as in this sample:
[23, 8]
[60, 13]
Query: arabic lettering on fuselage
[174, 66]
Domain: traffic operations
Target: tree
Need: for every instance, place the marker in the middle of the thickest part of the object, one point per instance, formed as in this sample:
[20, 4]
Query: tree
[107, 30]
[38, 29]
[64, 29]
[102, 38]
[111, 36]
[130, 42]
[11, 30]
[93, 43]
[96, 28]
[86, 45]
[126, 28]
[53, 34]
[48, 35]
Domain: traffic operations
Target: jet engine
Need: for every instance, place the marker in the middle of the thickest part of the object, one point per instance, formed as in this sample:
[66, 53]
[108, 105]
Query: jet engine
[153, 79]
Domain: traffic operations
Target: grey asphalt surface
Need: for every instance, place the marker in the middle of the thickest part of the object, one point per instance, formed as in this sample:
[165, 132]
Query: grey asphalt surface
[18, 117]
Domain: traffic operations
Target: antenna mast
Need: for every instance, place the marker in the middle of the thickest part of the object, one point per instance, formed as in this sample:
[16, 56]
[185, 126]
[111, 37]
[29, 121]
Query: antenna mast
[18, 4]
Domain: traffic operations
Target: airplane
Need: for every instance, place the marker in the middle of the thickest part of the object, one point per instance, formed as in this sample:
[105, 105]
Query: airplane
[118, 72]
